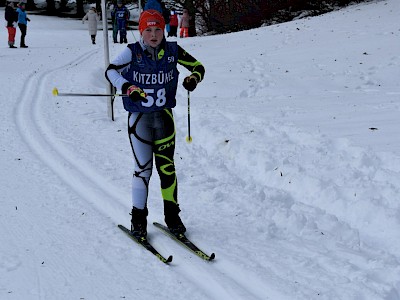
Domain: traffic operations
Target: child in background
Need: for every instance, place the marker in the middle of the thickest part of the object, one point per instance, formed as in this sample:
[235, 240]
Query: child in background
[93, 17]
[11, 17]
[184, 24]
[22, 23]
[173, 24]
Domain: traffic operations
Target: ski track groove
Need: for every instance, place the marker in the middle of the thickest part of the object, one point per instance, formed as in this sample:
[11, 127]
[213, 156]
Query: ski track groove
[216, 278]
[73, 171]
[86, 183]
[89, 185]
[77, 174]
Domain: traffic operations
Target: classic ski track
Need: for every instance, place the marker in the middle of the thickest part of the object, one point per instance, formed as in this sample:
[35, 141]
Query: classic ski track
[79, 176]
[75, 172]
[82, 179]
[220, 281]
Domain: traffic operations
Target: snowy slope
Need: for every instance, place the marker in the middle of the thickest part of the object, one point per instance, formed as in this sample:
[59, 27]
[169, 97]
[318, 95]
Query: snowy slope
[292, 178]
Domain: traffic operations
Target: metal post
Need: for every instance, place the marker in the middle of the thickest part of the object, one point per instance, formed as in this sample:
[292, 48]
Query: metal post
[110, 100]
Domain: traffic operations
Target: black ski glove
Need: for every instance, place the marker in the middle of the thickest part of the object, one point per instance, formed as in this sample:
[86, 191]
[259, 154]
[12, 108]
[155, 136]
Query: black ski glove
[190, 83]
[133, 92]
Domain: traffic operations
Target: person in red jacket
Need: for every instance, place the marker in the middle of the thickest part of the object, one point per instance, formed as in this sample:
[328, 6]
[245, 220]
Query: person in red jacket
[173, 24]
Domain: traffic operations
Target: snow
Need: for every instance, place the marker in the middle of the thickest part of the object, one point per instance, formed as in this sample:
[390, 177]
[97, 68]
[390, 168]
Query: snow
[292, 178]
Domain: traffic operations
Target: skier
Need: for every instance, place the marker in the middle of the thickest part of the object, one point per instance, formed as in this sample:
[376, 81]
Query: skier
[147, 73]
[120, 16]
[22, 23]
[93, 17]
[11, 17]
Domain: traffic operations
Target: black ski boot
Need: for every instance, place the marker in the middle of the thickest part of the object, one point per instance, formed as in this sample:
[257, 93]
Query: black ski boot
[139, 222]
[172, 219]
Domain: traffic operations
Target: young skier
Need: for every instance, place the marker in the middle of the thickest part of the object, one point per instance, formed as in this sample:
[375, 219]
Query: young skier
[147, 73]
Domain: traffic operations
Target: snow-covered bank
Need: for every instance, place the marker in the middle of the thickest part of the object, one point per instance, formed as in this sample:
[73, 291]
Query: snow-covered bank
[292, 178]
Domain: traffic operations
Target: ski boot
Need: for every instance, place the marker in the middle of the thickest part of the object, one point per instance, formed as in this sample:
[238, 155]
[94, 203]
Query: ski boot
[172, 219]
[139, 222]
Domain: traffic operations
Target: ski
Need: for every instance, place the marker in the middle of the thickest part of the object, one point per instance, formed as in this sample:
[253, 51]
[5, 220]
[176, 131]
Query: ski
[145, 243]
[185, 242]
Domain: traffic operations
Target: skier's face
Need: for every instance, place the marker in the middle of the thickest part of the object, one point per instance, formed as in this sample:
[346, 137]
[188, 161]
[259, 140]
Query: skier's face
[152, 36]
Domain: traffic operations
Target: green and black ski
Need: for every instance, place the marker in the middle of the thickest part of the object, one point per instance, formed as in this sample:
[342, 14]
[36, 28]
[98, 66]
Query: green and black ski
[145, 243]
[184, 241]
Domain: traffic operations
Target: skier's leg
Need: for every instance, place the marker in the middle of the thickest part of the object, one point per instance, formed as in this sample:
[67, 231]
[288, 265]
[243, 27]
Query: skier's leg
[164, 149]
[140, 136]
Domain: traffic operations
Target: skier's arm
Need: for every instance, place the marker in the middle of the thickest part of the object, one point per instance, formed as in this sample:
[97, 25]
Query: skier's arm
[190, 63]
[117, 66]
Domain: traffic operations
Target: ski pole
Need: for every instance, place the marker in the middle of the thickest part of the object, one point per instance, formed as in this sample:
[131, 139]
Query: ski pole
[189, 137]
[56, 93]
[133, 35]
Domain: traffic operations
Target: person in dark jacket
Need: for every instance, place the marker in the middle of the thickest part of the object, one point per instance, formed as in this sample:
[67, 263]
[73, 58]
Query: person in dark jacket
[11, 17]
[146, 72]
[120, 16]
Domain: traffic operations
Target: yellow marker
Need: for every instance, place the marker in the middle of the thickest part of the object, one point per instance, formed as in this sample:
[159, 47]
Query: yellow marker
[55, 92]
[188, 139]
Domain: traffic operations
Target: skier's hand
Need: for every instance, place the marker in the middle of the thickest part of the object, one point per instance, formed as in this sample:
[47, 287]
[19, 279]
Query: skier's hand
[190, 83]
[133, 92]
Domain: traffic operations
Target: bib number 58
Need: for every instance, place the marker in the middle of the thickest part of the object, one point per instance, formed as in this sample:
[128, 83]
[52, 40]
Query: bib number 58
[154, 97]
